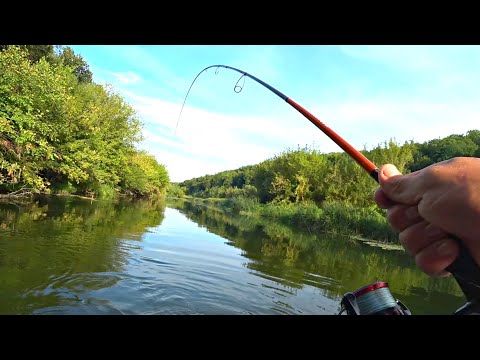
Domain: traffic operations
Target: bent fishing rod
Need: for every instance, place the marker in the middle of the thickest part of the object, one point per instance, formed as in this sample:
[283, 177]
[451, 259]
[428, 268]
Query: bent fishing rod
[376, 298]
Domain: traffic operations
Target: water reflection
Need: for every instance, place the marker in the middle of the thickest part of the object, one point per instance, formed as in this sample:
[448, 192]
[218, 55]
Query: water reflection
[75, 256]
[335, 265]
[53, 249]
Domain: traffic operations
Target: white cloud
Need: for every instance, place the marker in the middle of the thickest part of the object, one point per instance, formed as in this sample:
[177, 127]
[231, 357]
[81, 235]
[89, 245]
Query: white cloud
[182, 167]
[205, 142]
[413, 57]
[418, 58]
[126, 78]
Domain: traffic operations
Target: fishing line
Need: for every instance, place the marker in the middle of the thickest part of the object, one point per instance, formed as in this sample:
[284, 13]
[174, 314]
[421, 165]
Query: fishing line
[237, 88]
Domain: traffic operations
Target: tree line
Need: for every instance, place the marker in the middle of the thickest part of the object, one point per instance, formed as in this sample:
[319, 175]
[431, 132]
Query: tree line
[60, 132]
[307, 175]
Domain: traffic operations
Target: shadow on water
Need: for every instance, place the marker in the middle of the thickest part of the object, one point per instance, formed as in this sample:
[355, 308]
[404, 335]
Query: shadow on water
[336, 265]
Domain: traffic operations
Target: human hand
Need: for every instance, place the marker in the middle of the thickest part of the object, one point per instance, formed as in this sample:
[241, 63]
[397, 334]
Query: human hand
[428, 205]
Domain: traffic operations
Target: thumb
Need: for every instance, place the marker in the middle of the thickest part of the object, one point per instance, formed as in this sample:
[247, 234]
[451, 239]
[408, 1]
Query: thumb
[397, 187]
[387, 171]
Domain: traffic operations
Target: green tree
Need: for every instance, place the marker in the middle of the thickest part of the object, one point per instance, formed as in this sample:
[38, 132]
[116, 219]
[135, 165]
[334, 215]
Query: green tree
[281, 189]
[76, 135]
[79, 66]
[302, 190]
[443, 149]
[36, 52]
[474, 135]
[32, 103]
[144, 175]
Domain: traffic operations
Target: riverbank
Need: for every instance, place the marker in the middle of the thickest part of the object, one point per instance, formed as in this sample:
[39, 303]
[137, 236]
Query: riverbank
[363, 224]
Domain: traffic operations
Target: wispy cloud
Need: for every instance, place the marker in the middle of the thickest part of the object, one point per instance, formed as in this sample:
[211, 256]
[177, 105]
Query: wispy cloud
[126, 78]
[407, 57]
[418, 58]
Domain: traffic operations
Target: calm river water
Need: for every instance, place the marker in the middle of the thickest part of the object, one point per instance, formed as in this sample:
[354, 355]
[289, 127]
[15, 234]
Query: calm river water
[74, 256]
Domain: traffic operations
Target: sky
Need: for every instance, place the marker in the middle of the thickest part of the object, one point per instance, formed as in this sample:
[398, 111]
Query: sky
[368, 94]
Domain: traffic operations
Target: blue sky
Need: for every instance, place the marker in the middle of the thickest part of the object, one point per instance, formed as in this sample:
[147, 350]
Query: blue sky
[367, 94]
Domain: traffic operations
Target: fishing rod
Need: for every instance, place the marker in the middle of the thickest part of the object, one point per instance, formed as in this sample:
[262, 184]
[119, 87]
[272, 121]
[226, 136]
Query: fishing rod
[376, 298]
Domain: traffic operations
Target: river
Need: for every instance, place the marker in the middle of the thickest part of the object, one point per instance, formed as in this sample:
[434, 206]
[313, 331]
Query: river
[66, 255]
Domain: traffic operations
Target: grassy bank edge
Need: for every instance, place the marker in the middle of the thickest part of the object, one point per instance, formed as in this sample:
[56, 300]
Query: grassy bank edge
[368, 225]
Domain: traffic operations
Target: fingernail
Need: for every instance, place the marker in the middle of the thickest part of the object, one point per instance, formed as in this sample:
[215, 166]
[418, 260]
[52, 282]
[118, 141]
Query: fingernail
[390, 170]
[445, 247]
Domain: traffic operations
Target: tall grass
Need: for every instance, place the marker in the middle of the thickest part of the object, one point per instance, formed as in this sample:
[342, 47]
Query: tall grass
[333, 217]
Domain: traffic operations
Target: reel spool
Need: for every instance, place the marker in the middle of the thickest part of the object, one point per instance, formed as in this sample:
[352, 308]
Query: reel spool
[373, 299]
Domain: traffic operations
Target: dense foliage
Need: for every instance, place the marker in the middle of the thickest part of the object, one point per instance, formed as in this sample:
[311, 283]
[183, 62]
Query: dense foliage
[61, 132]
[305, 174]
